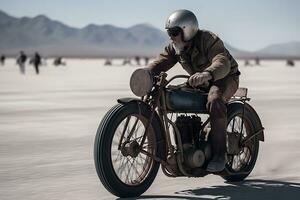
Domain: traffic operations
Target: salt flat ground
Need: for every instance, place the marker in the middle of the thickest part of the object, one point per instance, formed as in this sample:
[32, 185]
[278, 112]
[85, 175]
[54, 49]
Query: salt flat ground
[48, 123]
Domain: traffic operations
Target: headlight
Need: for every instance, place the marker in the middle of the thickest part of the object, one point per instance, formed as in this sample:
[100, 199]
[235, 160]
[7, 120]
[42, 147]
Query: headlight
[141, 82]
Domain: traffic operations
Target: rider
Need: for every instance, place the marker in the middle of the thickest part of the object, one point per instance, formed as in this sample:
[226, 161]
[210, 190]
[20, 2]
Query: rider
[203, 55]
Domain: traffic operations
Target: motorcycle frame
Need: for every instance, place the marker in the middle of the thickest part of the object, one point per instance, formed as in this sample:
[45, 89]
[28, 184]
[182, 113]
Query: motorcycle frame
[158, 104]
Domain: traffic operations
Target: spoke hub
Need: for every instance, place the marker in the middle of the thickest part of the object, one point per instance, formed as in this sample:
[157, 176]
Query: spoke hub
[131, 148]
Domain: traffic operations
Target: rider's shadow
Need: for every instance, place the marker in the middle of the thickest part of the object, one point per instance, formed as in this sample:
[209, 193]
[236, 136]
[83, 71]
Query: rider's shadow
[246, 190]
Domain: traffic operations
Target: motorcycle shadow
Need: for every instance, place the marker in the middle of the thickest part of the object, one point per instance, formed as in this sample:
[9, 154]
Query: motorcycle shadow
[255, 189]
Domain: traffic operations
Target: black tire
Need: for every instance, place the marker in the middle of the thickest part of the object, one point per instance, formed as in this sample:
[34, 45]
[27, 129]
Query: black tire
[112, 178]
[249, 152]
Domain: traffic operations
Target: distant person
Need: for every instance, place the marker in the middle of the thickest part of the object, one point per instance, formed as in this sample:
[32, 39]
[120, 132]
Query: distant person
[126, 61]
[21, 60]
[58, 61]
[137, 60]
[2, 59]
[146, 60]
[290, 63]
[108, 62]
[247, 63]
[257, 61]
[37, 62]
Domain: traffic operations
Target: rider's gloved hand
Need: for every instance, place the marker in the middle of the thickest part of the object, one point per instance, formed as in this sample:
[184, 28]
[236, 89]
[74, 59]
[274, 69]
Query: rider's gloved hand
[199, 78]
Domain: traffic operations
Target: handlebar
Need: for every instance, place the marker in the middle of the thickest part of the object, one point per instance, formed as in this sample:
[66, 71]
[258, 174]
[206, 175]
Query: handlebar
[177, 76]
[203, 87]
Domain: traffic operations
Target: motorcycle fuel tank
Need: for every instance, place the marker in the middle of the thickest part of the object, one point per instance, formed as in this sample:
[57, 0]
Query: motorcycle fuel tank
[179, 100]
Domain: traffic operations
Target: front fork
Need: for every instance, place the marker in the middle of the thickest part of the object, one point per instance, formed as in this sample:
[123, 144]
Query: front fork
[154, 104]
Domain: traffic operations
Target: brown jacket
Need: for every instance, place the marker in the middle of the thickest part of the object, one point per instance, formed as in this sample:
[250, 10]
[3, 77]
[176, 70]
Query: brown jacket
[207, 53]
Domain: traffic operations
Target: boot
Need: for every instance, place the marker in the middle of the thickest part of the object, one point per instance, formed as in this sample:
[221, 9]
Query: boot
[217, 163]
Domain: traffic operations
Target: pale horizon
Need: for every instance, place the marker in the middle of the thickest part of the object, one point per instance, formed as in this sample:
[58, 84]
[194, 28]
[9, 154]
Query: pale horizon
[245, 25]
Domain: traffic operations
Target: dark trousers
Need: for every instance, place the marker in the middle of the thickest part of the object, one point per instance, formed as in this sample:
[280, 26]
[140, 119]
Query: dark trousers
[36, 66]
[219, 93]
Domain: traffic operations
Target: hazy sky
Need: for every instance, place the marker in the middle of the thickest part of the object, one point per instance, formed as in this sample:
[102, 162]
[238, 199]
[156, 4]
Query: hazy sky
[248, 25]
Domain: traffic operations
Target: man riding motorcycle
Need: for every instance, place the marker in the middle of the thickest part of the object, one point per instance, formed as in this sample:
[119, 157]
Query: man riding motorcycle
[203, 55]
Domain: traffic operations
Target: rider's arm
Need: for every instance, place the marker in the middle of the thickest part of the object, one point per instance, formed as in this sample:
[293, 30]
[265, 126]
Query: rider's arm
[165, 61]
[218, 56]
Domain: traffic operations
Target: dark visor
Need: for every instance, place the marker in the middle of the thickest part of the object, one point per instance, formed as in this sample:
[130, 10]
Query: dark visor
[173, 32]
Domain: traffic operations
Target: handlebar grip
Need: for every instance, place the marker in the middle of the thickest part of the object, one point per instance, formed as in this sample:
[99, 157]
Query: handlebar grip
[204, 87]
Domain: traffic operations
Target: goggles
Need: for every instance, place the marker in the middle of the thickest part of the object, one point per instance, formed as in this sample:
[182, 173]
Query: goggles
[173, 32]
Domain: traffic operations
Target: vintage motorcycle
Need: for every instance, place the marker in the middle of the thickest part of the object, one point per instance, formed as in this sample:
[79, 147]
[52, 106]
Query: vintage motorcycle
[166, 127]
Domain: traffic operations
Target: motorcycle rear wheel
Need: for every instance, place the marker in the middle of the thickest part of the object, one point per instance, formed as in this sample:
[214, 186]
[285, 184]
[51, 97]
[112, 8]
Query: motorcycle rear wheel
[240, 165]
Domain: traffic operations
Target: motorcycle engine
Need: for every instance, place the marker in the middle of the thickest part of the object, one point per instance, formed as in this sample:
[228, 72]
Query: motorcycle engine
[194, 150]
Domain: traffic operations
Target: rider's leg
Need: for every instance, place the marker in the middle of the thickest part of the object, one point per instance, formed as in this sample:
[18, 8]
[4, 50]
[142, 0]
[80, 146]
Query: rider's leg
[217, 110]
[218, 94]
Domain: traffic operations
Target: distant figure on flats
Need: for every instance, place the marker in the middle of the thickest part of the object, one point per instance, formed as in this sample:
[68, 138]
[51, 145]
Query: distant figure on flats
[21, 60]
[137, 60]
[37, 62]
[146, 60]
[108, 62]
[58, 61]
[2, 59]
[127, 61]
[290, 63]
[247, 63]
[257, 61]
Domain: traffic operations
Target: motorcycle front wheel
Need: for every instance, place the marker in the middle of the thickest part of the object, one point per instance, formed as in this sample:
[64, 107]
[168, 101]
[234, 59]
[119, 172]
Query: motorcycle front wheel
[122, 167]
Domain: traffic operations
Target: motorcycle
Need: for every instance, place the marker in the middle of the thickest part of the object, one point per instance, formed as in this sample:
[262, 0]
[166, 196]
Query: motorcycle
[166, 127]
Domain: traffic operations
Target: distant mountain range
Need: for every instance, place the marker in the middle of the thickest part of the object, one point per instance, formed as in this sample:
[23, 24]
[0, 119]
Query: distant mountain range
[53, 38]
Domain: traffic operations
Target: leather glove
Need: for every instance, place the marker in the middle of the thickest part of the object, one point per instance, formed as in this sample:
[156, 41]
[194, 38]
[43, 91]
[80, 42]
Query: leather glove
[199, 79]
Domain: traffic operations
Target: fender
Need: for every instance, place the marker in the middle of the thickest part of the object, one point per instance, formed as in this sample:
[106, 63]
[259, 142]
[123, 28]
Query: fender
[131, 99]
[250, 109]
[161, 140]
[261, 136]
[128, 100]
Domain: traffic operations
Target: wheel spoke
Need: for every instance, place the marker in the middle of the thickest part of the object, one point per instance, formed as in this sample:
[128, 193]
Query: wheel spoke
[233, 122]
[123, 132]
[132, 130]
[117, 157]
[121, 167]
[129, 170]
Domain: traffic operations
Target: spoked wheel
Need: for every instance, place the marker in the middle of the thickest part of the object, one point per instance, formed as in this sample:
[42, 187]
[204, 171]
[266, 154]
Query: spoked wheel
[130, 165]
[126, 168]
[242, 156]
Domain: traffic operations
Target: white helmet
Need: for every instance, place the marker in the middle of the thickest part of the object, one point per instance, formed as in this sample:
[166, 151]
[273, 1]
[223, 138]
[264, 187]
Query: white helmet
[185, 20]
